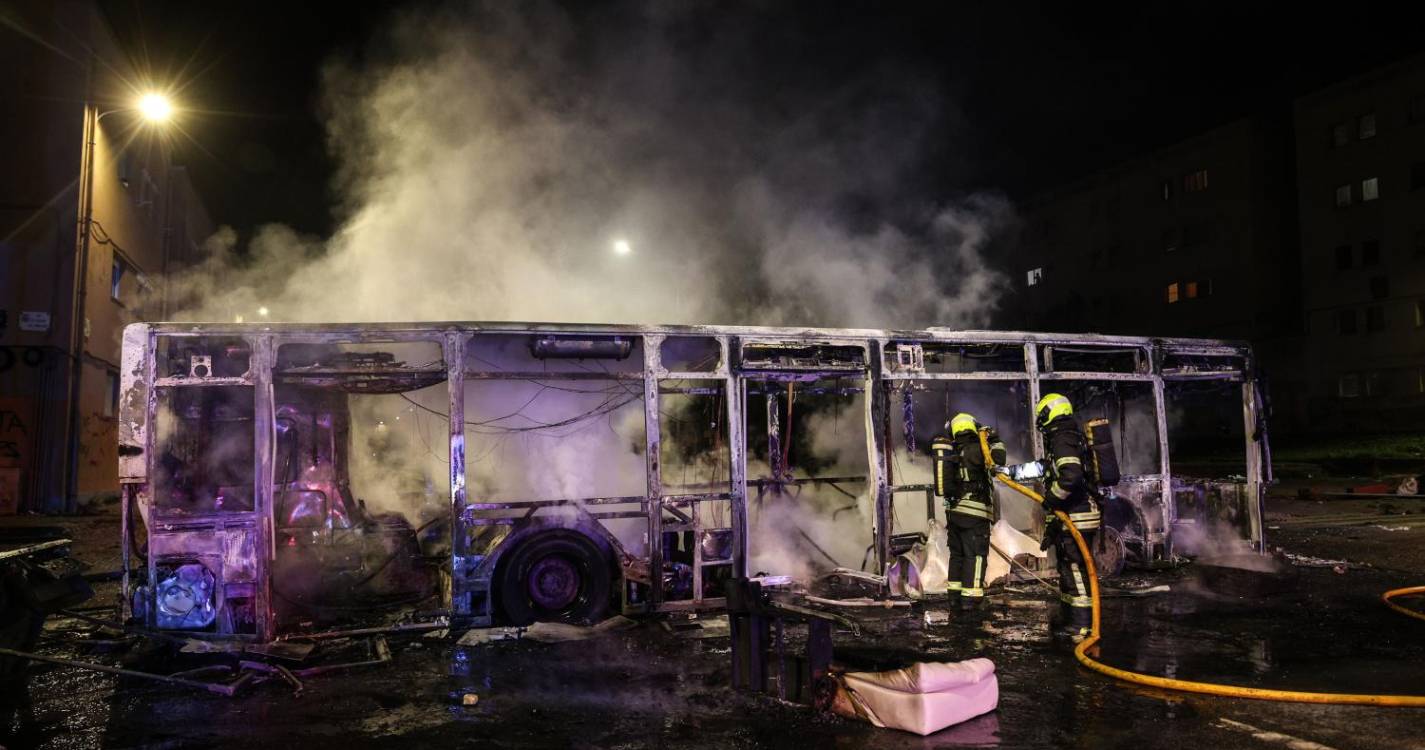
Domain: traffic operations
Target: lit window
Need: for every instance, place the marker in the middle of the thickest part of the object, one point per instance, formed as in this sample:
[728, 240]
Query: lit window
[1368, 126]
[1375, 319]
[1195, 182]
[1172, 293]
[1343, 257]
[116, 280]
[1370, 253]
[1346, 322]
[1035, 276]
[1349, 386]
[1190, 290]
[1343, 196]
[1370, 189]
[1340, 134]
[111, 404]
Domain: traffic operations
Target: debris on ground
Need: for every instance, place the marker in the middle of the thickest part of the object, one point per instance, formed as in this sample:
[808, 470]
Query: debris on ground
[1307, 561]
[560, 632]
[546, 632]
[482, 636]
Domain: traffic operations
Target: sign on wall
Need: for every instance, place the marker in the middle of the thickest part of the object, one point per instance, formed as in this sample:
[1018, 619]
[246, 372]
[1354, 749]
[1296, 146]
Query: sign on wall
[34, 321]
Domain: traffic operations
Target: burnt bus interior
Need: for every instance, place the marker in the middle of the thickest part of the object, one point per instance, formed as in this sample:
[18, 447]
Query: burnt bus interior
[283, 478]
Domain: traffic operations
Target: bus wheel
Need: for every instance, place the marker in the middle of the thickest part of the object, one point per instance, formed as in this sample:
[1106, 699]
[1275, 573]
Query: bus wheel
[558, 576]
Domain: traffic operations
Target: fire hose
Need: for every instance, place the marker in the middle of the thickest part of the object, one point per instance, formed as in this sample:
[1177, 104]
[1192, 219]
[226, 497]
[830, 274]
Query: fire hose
[1407, 591]
[1206, 688]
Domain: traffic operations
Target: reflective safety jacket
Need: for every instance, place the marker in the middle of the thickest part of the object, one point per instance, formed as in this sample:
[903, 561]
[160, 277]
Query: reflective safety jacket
[1067, 484]
[961, 477]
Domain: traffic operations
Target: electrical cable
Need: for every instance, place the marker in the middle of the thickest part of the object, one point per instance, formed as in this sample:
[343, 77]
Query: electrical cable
[1189, 686]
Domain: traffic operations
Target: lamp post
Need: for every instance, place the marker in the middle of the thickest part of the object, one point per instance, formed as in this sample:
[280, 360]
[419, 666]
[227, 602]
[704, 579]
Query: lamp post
[153, 108]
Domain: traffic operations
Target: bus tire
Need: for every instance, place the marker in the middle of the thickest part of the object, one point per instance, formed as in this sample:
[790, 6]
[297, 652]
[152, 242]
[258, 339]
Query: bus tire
[555, 576]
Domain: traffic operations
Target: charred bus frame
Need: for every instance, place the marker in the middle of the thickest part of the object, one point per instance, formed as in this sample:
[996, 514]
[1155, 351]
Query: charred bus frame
[240, 542]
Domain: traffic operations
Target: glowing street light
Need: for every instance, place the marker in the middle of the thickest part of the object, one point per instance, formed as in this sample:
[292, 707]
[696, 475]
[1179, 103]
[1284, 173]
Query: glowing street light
[262, 311]
[155, 107]
[622, 247]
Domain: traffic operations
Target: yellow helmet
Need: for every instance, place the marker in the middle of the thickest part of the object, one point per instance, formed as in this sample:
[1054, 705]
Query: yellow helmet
[962, 423]
[1050, 408]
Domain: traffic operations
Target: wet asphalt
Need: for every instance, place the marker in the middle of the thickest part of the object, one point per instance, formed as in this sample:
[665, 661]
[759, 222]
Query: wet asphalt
[654, 687]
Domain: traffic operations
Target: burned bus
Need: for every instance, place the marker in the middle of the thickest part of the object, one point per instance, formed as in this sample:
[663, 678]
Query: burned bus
[282, 477]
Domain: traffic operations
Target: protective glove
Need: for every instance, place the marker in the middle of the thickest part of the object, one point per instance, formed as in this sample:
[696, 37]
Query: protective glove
[1053, 527]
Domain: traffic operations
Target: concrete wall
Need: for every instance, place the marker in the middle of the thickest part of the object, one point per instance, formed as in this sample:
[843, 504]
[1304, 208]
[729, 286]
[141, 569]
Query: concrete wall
[67, 60]
[1372, 378]
[1112, 246]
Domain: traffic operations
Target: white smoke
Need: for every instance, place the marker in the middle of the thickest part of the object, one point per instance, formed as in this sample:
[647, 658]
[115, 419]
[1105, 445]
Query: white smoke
[492, 158]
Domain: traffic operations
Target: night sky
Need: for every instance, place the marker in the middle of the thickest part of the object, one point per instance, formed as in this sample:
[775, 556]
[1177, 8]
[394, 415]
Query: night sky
[1033, 95]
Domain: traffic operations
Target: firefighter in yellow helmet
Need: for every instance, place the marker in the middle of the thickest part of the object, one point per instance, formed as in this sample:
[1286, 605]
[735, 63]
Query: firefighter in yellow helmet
[964, 482]
[1068, 490]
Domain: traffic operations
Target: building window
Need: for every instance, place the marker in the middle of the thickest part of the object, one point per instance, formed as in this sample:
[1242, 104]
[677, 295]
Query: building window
[1035, 276]
[1349, 386]
[1370, 253]
[1170, 239]
[116, 280]
[1370, 189]
[1343, 257]
[1346, 322]
[1367, 126]
[1167, 190]
[1375, 386]
[1173, 292]
[111, 402]
[1417, 175]
[1195, 182]
[1343, 196]
[1190, 290]
[1340, 134]
[1375, 319]
[1420, 313]
[1380, 287]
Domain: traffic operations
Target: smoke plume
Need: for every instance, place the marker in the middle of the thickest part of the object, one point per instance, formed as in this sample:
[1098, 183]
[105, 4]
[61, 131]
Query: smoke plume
[492, 159]
[626, 164]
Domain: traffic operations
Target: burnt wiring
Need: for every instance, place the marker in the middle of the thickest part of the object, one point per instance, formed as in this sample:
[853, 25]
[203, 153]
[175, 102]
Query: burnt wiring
[608, 406]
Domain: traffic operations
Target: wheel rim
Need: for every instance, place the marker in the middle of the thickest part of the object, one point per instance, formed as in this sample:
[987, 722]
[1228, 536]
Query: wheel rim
[554, 583]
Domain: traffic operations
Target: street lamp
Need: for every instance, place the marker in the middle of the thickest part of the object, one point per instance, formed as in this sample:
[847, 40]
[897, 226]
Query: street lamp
[154, 108]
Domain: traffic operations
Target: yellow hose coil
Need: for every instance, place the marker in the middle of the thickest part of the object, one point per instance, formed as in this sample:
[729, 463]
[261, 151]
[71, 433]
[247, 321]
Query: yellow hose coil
[1407, 591]
[1207, 688]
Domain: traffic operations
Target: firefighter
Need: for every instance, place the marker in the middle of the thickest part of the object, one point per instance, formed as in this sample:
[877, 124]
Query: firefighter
[965, 483]
[1070, 491]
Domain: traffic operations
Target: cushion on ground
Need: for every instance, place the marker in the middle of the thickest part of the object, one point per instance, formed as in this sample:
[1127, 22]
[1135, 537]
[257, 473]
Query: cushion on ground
[925, 697]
